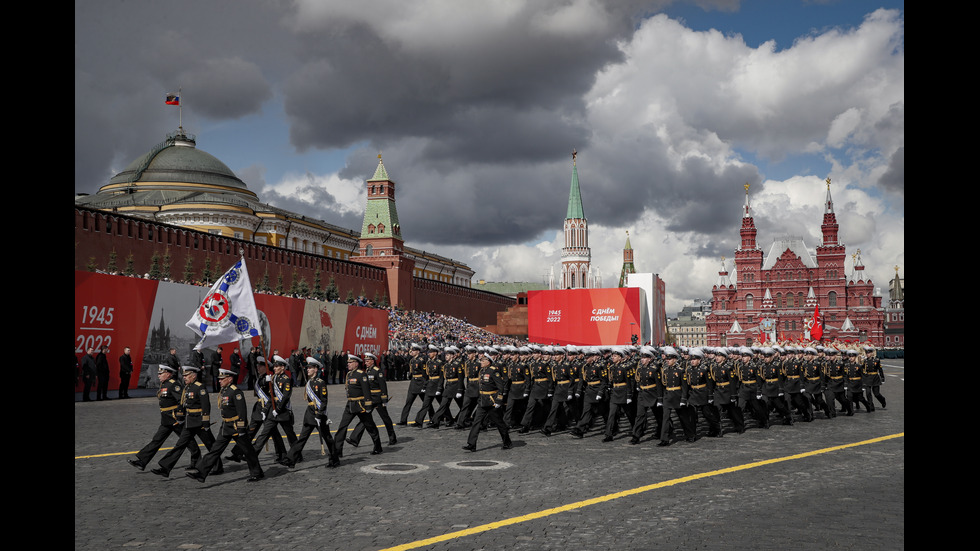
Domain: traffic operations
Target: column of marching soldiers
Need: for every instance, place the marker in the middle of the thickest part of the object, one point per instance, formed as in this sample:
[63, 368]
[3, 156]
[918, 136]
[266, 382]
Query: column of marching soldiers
[555, 388]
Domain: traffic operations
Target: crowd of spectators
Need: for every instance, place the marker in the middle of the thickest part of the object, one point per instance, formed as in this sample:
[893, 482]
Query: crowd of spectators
[408, 326]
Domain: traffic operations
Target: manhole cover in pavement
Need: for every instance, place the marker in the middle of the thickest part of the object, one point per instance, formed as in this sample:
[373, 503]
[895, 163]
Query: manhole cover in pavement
[479, 465]
[473, 464]
[394, 468]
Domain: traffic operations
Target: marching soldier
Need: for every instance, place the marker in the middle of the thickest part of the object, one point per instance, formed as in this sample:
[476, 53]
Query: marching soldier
[262, 403]
[379, 401]
[540, 392]
[358, 405]
[416, 385]
[596, 381]
[649, 395]
[491, 400]
[700, 395]
[196, 404]
[315, 416]
[724, 392]
[453, 387]
[278, 412]
[621, 381]
[234, 419]
[471, 395]
[835, 375]
[874, 376]
[674, 379]
[168, 397]
[561, 394]
[433, 388]
[749, 389]
[855, 381]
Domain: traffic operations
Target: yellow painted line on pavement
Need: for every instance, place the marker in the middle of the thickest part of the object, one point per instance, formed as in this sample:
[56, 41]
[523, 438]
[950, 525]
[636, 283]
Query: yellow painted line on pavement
[626, 493]
[314, 433]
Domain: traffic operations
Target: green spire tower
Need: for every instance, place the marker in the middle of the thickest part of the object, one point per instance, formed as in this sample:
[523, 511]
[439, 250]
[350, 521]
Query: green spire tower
[576, 256]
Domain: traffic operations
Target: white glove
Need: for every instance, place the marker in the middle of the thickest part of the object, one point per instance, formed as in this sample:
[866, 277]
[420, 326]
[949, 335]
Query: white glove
[268, 378]
[629, 401]
[275, 413]
[438, 392]
[263, 416]
[525, 395]
[683, 404]
[550, 395]
[569, 397]
[496, 406]
[422, 391]
[459, 395]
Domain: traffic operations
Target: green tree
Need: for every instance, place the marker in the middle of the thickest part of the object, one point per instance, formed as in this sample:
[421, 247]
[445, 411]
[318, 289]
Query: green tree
[207, 275]
[279, 285]
[167, 261]
[332, 292]
[110, 267]
[91, 264]
[317, 291]
[294, 284]
[189, 269]
[304, 287]
[350, 297]
[264, 284]
[384, 301]
[155, 265]
[130, 268]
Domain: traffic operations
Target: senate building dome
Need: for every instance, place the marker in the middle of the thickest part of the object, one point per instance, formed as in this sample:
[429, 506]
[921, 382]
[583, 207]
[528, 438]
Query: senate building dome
[177, 163]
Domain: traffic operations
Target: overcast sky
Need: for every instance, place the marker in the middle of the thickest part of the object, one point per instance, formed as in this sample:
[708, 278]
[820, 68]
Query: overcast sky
[476, 107]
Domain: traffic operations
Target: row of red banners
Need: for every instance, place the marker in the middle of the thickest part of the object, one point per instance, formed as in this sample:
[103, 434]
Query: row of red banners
[148, 316]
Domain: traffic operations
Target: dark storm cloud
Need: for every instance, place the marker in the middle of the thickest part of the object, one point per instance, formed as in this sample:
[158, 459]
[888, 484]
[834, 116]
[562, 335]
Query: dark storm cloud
[894, 178]
[485, 97]
[128, 55]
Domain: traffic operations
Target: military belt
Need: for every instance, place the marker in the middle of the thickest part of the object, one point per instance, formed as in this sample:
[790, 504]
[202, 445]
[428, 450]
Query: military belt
[171, 408]
[776, 380]
[673, 388]
[198, 410]
[792, 376]
[541, 380]
[838, 377]
[593, 383]
[358, 399]
[230, 419]
[723, 384]
[417, 376]
[698, 386]
[617, 385]
[648, 387]
[453, 380]
[562, 382]
[488, 392]
[813, 378]
[855, 378]
[434, 378]
[517, 382]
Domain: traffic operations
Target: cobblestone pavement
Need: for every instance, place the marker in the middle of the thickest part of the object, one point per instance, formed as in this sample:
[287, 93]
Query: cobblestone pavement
[847, 498]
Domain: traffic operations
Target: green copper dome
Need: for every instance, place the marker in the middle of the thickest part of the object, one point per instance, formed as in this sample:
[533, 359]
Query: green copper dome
[177, 160]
